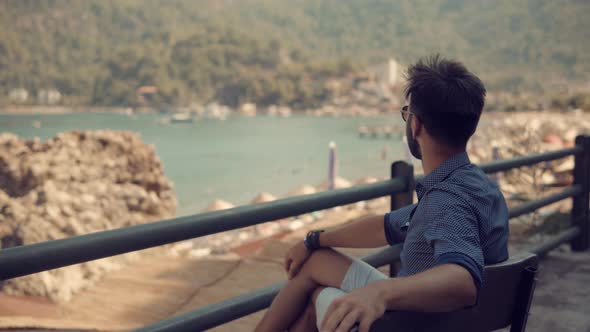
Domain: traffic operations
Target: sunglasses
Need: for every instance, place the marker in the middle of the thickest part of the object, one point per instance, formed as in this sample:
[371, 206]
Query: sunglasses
[405, 113]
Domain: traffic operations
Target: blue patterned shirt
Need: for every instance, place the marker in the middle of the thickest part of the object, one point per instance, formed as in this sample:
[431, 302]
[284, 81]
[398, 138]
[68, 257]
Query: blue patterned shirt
[461, 217]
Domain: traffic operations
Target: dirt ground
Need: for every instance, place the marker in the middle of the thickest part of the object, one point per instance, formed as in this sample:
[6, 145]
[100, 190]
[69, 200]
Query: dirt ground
[156, 288]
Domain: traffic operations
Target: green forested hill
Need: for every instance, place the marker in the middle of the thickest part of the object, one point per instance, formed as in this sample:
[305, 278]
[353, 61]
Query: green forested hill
[276, 51]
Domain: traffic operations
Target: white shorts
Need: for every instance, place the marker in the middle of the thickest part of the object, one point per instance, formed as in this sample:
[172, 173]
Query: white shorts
[359, 275]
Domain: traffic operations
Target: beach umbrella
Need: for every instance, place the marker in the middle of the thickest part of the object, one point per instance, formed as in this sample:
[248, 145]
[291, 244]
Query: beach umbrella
[305, 189]
[366, 180]
[263, 198]
[553, 139]
[217, 205]
[270, 227]
[339, 183]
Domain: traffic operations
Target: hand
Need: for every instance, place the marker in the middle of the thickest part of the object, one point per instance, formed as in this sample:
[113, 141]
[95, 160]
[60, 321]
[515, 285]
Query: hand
[295, 258]
[363, 305]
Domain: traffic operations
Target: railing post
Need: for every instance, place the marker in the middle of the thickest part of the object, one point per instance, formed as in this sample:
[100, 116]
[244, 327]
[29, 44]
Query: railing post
[580, 213]
[401, 199]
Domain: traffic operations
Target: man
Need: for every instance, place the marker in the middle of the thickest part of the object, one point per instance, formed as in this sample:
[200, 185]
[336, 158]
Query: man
[459, 224]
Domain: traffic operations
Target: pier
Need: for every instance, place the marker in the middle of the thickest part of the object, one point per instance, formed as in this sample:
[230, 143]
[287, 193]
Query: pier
[379, 132]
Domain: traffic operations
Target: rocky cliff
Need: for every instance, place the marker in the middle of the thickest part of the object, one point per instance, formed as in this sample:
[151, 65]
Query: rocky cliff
[73, 184]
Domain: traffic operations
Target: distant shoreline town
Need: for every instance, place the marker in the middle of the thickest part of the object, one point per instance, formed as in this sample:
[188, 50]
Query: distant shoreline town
[377, 89]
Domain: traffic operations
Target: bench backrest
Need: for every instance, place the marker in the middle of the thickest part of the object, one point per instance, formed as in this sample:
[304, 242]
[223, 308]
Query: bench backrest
[504, 300]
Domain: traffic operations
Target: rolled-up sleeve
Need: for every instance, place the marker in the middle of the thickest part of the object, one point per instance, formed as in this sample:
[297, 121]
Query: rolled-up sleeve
[453, 233]
[396, 222]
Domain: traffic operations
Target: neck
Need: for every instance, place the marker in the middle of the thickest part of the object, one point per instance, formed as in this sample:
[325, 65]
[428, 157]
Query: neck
[433, 156]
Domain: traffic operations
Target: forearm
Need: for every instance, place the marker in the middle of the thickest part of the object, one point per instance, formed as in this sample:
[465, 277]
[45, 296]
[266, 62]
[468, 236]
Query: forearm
[443, 288]
[367, 232]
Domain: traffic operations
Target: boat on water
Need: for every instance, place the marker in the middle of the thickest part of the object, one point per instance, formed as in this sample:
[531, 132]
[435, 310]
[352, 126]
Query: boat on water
[181, 118]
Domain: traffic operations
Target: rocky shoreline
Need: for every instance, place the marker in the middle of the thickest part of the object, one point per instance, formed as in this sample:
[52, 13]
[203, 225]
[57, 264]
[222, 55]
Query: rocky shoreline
[509, 135]
[520, 134]
[45, 109]
[76, 183]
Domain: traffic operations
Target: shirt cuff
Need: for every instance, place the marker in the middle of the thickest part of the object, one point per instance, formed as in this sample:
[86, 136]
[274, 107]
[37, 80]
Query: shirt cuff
[396, 223]
[466, 262]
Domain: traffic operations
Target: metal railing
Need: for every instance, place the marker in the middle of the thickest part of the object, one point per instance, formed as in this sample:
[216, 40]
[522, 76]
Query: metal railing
[28, 259]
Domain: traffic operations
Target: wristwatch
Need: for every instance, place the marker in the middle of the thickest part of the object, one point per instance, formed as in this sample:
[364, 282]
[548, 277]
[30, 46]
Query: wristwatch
[312, 240]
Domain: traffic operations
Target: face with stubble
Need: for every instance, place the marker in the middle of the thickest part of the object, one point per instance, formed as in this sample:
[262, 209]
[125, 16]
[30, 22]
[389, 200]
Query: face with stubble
[413, 144]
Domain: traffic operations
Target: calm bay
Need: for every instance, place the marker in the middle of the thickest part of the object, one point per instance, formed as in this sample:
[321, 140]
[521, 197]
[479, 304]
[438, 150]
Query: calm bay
[238, 158]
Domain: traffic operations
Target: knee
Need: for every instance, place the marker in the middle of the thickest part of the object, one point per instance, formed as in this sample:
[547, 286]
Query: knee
[317, 258]
[322, 254]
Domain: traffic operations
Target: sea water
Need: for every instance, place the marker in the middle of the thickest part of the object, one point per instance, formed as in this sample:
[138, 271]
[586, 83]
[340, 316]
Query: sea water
[238, 158]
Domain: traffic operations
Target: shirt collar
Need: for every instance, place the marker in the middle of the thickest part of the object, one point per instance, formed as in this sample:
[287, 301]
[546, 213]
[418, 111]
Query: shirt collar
[441, 172]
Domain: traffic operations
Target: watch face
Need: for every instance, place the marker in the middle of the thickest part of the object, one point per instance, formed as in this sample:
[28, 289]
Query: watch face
[306, 244]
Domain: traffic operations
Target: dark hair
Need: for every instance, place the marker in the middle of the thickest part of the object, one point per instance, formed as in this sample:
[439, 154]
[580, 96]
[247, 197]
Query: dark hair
[446, 97]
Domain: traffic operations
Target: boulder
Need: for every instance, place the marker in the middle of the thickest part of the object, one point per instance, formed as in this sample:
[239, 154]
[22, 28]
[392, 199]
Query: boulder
[76, 183]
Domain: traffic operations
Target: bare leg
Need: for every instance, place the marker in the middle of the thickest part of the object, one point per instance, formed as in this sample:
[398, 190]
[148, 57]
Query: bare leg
[325, 267]
[307, 321]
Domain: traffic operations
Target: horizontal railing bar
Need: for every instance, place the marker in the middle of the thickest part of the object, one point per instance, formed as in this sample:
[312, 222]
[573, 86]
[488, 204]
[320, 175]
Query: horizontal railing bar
[507, 164]
[38, 257]
[217, 314]
[516, 162]
[238, 307]
[223, 312]
[384, 257]
[229, 310]
[531, 206]
[563, 237]
[28, 259]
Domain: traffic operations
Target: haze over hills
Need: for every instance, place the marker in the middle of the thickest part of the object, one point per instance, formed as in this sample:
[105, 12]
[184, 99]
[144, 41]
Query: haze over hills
[277, 51]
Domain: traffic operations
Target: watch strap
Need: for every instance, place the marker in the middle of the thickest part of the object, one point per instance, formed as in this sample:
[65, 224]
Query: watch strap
[312, 240]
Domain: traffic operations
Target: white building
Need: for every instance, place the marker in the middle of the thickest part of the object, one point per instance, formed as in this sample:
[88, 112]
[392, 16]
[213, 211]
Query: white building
[248, 109]
[48, 97]
[216, 111]
[18, 95]
[387, 73]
